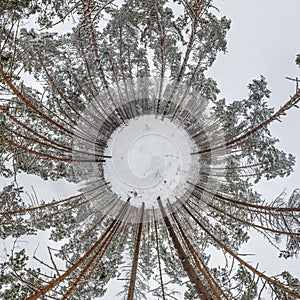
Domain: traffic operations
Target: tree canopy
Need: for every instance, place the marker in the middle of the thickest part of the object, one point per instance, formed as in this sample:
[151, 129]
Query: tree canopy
[74, 72]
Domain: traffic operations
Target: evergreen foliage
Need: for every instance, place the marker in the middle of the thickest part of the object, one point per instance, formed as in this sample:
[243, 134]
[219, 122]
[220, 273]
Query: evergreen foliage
[67, 71]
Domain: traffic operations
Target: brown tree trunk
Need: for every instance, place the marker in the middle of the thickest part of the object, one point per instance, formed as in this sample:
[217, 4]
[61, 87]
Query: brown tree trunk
[224, 212]
[98, 255]
[158, 258]
[136, 257]
[198, 264]
[260, 274]
[59, 279]
[194, 279]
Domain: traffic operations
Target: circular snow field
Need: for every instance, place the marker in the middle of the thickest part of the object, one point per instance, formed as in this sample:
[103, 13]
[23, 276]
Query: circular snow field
[151, 158]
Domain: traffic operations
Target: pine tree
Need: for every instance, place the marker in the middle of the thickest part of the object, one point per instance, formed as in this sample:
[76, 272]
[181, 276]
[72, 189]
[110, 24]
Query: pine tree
[114, 63]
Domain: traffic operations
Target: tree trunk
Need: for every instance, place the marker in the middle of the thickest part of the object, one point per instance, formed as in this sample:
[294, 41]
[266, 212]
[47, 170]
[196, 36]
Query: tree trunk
[158, 258]
[136, 257]
[260, 274]
[194, 279]
[59, 279]
[199, 263]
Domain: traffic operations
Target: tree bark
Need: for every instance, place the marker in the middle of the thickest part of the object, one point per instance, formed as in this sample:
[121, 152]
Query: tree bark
[194, 279]
[209, 279]
[136, 257]
[59, 279]
[158, 258]
[260, 274]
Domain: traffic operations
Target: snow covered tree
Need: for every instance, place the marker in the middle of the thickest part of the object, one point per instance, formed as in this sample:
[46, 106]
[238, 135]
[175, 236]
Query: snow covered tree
[113, 96]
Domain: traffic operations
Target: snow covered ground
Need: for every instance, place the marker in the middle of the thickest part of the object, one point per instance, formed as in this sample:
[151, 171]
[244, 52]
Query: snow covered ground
[150, 159]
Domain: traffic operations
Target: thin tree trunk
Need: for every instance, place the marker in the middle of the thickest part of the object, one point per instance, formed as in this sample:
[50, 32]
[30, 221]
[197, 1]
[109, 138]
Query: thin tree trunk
[271, 281]
[196, 260]
[225, 213]
[98, 255]
[59, 279]
[203, 264]
[29, 103]
[263, 208]
[276, 116]
[136, 257]
[158, 258]
[194, 279]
